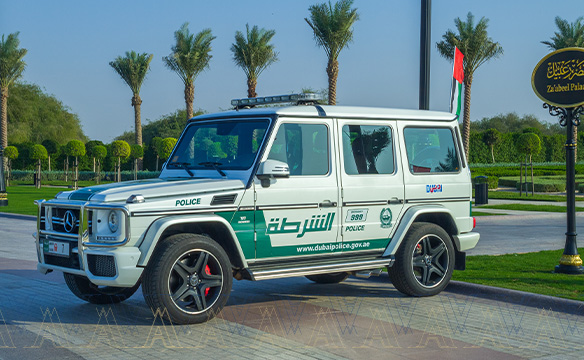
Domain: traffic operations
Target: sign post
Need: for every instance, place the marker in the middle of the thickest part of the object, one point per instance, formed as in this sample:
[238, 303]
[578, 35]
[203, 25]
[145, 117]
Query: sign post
[558, 80]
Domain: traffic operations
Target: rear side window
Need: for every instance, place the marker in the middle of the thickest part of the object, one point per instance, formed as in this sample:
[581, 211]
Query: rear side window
[367, 149]
[431, 150]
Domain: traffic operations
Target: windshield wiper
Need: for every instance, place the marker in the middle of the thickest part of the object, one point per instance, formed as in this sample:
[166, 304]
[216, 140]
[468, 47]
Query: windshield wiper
[183, 165]
[214, 165]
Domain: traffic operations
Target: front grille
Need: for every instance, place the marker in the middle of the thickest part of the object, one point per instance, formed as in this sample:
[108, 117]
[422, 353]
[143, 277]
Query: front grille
[71, 262]
[43, 222]
[65, 220]
[101, 265]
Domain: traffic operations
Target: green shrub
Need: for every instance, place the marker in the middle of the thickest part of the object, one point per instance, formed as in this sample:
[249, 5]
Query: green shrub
[555, 186]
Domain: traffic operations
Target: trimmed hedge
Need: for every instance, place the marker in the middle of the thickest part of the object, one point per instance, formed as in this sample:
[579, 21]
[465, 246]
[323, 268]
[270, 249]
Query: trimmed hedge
[552, 186]
[28, 175]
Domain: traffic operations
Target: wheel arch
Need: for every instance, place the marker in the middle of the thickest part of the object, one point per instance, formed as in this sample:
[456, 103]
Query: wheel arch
[435, 214]
[212, 225]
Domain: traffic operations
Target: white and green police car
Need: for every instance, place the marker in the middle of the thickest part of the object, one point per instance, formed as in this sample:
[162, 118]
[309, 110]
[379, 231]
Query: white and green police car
[262, 193]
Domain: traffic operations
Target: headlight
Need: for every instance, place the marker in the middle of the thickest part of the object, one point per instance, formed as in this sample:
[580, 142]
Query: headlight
[113, 221]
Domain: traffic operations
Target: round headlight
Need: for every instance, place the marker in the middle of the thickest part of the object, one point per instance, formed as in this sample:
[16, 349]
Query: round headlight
[113, 221]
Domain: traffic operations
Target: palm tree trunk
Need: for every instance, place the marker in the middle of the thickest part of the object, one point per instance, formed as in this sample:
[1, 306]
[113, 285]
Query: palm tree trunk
[189, 98]
[4, 121]
[251, 87]
[119, 169]
[49, 162]
[466, 114]
[136, 103]
[492, 153]
[332, 70]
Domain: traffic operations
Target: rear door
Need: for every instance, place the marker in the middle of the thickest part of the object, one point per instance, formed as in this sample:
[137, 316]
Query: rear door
[372, 183]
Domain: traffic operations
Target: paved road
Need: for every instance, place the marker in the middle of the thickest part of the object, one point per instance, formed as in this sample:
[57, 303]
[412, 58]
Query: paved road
[288, 319]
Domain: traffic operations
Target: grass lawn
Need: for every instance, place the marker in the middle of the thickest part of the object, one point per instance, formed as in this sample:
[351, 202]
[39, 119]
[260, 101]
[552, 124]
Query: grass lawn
[539, 197]
[531, 272]
[81, 183]
[21, 198]
[528, 207]
[478, 213]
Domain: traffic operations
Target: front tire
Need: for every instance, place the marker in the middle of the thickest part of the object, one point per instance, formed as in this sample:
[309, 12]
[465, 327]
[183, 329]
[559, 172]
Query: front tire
[424, 261]
[81, 287]
[188, 278]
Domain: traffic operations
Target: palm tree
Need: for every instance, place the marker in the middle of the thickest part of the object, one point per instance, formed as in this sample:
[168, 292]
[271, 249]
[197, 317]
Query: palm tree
[569, 35]
[11, 68]
[333, 31]
[478, 48]
[190, 56]
[253, 53]
[133, 68]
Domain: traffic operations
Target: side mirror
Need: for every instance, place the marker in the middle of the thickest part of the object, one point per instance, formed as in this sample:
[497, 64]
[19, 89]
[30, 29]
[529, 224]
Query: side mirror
[271, 169]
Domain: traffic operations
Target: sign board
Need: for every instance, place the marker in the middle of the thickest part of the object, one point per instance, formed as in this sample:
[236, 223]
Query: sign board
[558, 79]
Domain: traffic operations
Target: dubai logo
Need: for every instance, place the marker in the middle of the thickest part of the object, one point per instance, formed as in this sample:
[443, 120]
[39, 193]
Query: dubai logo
[385, 218]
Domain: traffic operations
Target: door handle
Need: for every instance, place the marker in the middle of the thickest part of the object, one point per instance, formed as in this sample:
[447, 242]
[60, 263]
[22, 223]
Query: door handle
[395, 200]
[327, 203]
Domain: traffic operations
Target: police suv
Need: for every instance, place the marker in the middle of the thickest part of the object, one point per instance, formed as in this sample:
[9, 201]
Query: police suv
[262, 193]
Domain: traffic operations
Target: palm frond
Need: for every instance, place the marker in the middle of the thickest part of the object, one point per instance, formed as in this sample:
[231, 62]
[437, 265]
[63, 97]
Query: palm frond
[191, 53]
[12, 64]
[568, 34]
[253, 52]
[332, 25]
[132, 68]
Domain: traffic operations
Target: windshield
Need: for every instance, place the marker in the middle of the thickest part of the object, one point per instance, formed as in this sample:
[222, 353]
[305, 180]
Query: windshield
[220, 145]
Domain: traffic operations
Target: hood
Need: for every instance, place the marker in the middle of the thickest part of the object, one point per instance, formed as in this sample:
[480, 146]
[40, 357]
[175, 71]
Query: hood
[151, 188]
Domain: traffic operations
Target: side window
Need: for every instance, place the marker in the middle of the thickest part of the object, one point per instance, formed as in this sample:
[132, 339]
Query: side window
[431, 150]
[304, 147]
[367, 149]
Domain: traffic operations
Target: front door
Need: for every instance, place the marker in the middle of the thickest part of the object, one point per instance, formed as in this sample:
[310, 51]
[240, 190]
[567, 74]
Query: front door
[298, 216]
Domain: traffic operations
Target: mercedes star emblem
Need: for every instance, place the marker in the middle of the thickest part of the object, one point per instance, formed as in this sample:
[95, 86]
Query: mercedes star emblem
[69, 221]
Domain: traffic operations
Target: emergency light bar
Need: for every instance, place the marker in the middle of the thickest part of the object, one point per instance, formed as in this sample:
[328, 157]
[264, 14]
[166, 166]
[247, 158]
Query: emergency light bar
[298, 99]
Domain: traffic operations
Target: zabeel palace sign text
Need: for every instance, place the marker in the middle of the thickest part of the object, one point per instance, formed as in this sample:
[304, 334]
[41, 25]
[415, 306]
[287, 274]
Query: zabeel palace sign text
[558, 79]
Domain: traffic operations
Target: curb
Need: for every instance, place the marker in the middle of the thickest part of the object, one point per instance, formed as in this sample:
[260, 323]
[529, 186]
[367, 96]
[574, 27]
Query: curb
[18, 216]
[517, 297]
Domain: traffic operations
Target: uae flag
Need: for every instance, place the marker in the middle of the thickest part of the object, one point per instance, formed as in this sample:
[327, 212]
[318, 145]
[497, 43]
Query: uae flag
[457, 78]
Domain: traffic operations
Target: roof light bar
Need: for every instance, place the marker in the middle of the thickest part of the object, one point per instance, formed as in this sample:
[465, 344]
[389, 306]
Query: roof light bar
[308, 98]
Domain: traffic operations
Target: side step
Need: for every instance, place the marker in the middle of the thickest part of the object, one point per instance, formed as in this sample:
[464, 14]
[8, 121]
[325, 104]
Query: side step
[320, 269]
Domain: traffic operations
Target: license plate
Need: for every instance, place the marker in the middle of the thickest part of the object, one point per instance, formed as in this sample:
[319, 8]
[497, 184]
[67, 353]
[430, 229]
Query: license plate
[58, 248]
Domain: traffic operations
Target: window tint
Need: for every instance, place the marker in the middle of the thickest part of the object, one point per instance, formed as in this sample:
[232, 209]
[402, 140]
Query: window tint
[233, 145]
[367, 149]
[304, 147]
[431, 150]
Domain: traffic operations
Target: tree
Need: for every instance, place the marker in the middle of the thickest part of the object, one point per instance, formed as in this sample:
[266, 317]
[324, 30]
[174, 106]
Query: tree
[34, 116]
[478, 48]
[52, 149]
[528, 144]
[190, 56]
[120, 149]
[76, 148]
[132, 69]
[99, 152]
[38, 153]
[11, 67]
[253, 53]
[569, 35]
[166, 147]
[333, 31]
[90, 147]
[10, 153]
[492, 137]
[136, 152]
[156, 145]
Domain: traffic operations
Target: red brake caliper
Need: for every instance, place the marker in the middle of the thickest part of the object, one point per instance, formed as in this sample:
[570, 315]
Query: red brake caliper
[208, 272]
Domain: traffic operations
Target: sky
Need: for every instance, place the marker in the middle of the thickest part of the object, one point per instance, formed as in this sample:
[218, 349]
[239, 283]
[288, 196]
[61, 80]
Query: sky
[71, 42]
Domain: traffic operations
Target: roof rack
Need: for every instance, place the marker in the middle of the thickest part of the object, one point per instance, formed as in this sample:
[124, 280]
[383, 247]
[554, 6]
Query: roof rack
[296, 99]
